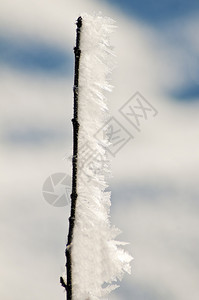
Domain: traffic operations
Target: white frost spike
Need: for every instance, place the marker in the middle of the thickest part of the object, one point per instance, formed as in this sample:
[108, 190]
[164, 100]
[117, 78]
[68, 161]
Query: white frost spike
[97, 259]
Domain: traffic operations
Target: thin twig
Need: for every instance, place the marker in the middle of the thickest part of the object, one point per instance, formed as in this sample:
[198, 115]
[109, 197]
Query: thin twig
[77, 52]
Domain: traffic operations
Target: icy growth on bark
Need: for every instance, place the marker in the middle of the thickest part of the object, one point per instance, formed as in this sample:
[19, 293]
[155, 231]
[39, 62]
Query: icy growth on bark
[98, 261]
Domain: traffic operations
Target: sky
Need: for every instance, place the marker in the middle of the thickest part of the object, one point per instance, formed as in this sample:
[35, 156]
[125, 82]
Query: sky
[155, 172]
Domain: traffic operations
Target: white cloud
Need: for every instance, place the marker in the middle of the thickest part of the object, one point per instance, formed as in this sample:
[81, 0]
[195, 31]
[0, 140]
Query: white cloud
[49, 20]
[163, 234]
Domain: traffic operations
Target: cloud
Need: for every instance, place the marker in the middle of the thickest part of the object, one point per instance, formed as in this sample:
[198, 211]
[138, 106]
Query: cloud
[47, 20]
[162, 230]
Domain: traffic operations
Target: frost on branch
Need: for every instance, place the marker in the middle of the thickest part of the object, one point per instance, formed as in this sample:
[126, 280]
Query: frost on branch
[98, 260]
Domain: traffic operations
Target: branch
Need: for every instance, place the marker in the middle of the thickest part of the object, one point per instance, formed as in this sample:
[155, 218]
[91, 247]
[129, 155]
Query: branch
[74, 195]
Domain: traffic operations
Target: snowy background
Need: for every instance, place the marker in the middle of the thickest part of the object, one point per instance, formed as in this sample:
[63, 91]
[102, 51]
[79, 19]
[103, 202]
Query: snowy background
[155, 184]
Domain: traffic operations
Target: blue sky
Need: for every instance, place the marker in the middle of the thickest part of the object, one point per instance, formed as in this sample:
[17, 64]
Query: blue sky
[29, 55]
[156, 12]
[159, 14]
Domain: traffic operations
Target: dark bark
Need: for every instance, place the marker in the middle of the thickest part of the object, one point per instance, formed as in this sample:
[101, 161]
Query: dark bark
[68, 286]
